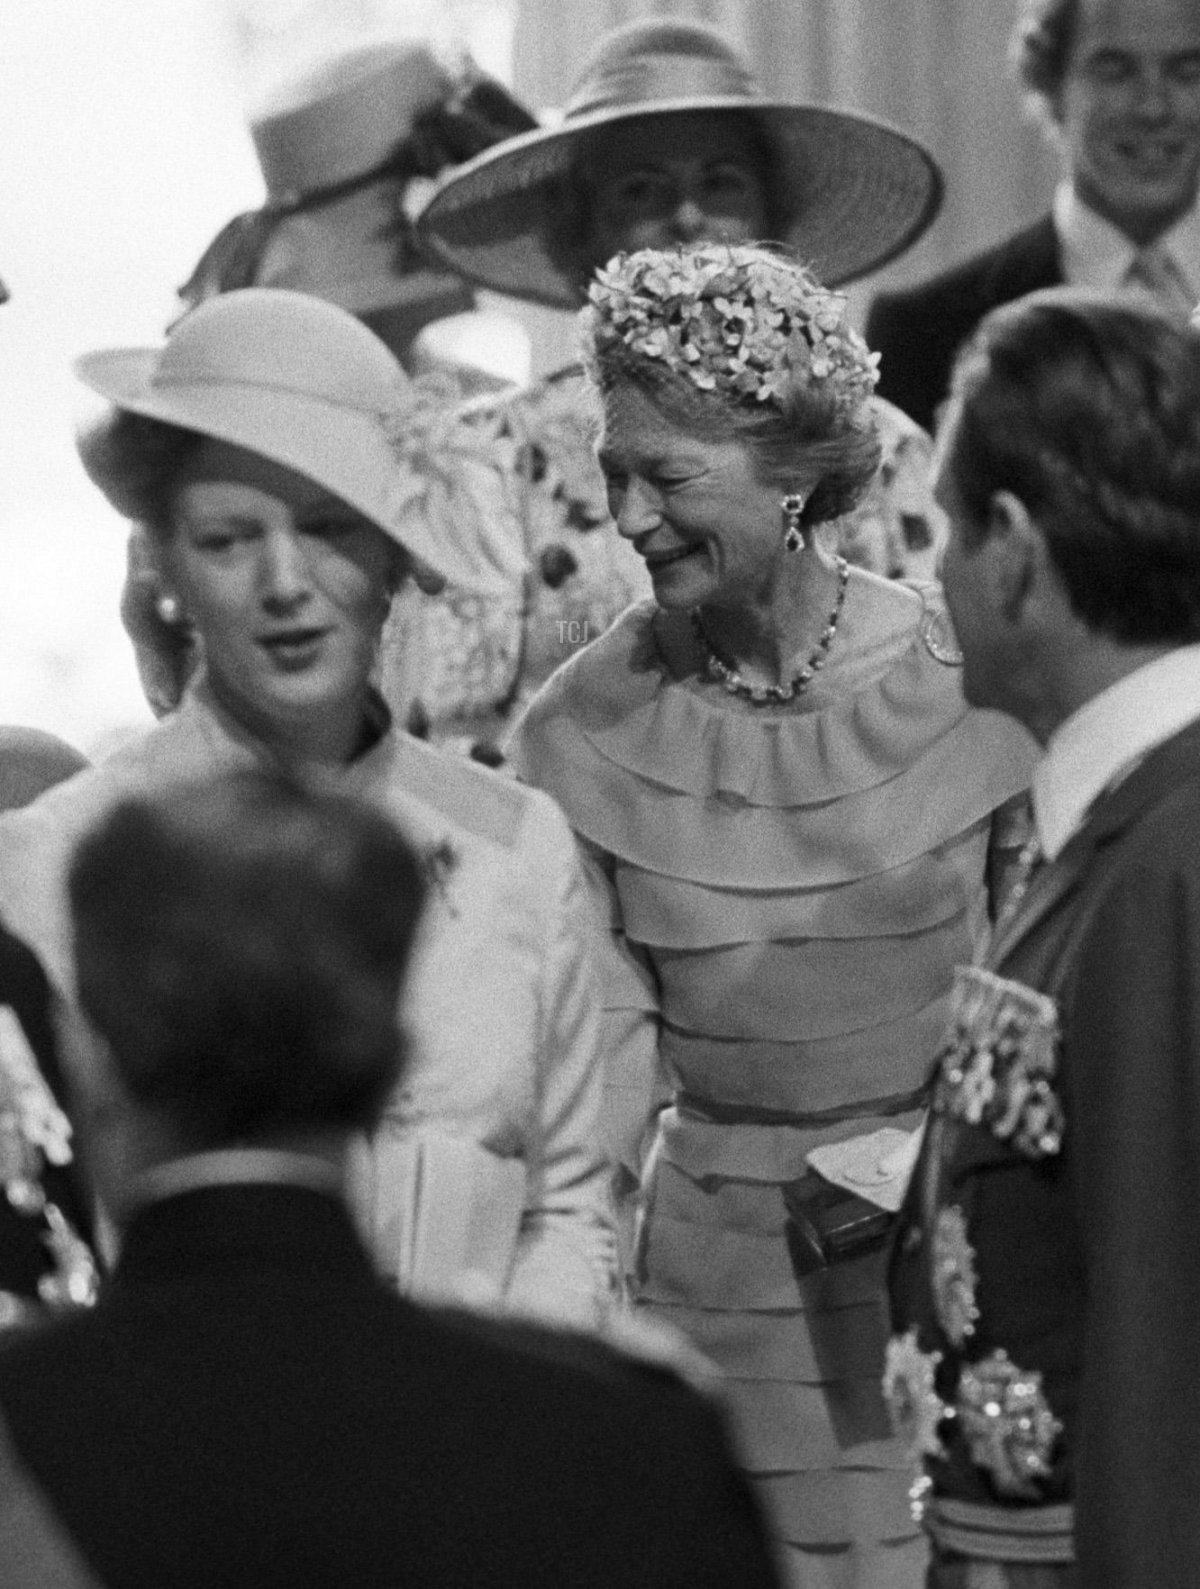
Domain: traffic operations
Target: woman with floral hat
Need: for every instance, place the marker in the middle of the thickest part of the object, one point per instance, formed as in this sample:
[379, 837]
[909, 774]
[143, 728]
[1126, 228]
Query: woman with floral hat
[788, 808]
[666, 138]
[285, 468]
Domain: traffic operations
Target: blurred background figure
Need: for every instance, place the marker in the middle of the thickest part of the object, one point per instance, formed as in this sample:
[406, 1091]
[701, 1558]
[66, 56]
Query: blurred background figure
[280, 460]
[46, 1262]
[666, 137]
[788, 811]
[1046, 1276]
[248, 1404]
[1117, 85]
[347, 149]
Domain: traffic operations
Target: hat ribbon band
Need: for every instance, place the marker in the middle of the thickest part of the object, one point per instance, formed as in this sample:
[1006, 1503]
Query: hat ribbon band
[280, 388]
[662, 76]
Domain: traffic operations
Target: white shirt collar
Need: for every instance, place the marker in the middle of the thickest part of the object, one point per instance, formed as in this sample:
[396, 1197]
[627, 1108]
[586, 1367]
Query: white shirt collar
[1100, 743]
[1096, 254]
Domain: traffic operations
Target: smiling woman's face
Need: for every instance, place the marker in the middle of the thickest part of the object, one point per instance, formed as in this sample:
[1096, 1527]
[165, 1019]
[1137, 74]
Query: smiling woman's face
[694, 509]
[285, 584]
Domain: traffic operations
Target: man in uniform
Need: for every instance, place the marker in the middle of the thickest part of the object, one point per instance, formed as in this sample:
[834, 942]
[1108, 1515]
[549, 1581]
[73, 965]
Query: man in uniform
[1046, 1273]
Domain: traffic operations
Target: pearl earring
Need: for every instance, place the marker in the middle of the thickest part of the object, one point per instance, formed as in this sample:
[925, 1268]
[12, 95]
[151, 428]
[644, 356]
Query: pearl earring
[793, 531]
[168, 609]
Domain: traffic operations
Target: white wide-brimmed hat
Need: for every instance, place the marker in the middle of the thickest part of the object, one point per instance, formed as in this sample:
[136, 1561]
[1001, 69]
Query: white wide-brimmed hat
[303, 383]
[851, 192]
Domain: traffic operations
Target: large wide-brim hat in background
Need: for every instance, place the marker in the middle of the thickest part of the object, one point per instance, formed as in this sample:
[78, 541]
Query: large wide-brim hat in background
[852, 192]
[302, 383]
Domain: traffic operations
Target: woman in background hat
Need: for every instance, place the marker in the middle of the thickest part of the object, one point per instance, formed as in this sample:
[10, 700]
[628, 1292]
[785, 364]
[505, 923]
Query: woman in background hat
[666, 138]
[281, 462]
[788, 809]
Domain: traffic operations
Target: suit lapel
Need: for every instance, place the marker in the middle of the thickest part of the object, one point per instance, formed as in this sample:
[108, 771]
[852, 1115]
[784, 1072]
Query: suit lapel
[1169, 765]
[1050, 886]
[1029, 261]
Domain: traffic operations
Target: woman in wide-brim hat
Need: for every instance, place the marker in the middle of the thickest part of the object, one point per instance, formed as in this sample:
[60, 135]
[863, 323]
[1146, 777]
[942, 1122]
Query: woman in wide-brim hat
[846, 191]
[290, 478]
[673, 110]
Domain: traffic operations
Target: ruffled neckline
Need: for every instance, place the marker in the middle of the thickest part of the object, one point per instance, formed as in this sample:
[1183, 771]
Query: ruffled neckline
[631, 700]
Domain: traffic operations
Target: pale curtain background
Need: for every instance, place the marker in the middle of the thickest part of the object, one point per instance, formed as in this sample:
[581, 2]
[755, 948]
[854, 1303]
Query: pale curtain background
[123, 125]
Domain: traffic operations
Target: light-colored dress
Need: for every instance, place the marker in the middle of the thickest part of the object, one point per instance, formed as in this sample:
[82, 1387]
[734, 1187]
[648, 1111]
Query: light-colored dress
[484, 1182]
[789, 891]
[466, 665]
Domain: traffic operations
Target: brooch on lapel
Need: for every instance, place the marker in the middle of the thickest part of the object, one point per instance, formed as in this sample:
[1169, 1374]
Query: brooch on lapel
[952, 1275]
[916, 1409]
[999, 1062]
[439, 862]
[1007, 1423]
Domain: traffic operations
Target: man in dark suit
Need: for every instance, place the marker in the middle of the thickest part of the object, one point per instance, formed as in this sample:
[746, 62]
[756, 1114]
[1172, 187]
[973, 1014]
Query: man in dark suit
[1117, 84]
[1046, 1275]
[248, 1404]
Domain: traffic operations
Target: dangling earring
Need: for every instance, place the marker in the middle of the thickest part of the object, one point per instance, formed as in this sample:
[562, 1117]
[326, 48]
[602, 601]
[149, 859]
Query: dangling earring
[793, 533]
[168, 609]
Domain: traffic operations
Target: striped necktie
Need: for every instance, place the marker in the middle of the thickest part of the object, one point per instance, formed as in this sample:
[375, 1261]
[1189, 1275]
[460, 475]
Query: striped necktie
[1155, 273]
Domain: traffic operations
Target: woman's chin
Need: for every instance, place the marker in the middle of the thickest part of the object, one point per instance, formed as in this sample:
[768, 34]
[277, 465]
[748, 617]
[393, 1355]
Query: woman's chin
[683, 583]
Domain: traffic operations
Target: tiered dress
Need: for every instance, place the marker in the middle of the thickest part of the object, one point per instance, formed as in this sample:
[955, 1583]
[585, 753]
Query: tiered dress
[790, 889]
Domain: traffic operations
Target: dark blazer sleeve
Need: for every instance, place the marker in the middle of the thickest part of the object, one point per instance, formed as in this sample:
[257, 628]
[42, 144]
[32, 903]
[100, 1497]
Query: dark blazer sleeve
[918, 331]
[1133, 1045]
[916, 346]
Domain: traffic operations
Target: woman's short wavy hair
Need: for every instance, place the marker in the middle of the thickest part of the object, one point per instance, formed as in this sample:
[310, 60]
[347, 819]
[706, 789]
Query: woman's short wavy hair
[1086, 407]
[241, 944]
[138, 463]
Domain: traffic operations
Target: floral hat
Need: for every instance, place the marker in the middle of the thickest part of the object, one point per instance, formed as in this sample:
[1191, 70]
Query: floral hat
[852, 192]
[734, 320]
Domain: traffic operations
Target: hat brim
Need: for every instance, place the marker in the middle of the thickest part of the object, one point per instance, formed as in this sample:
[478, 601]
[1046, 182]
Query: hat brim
[345, 450]
[856, 193]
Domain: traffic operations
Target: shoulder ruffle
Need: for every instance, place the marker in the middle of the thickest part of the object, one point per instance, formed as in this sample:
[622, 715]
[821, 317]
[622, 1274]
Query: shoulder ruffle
[686, 786]
[619, 697]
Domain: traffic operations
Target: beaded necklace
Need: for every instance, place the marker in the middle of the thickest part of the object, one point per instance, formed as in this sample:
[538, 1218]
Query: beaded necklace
[776, 694]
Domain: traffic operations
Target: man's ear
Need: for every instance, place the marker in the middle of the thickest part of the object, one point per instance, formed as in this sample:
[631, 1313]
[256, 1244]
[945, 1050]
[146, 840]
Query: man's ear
[1020, 558]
